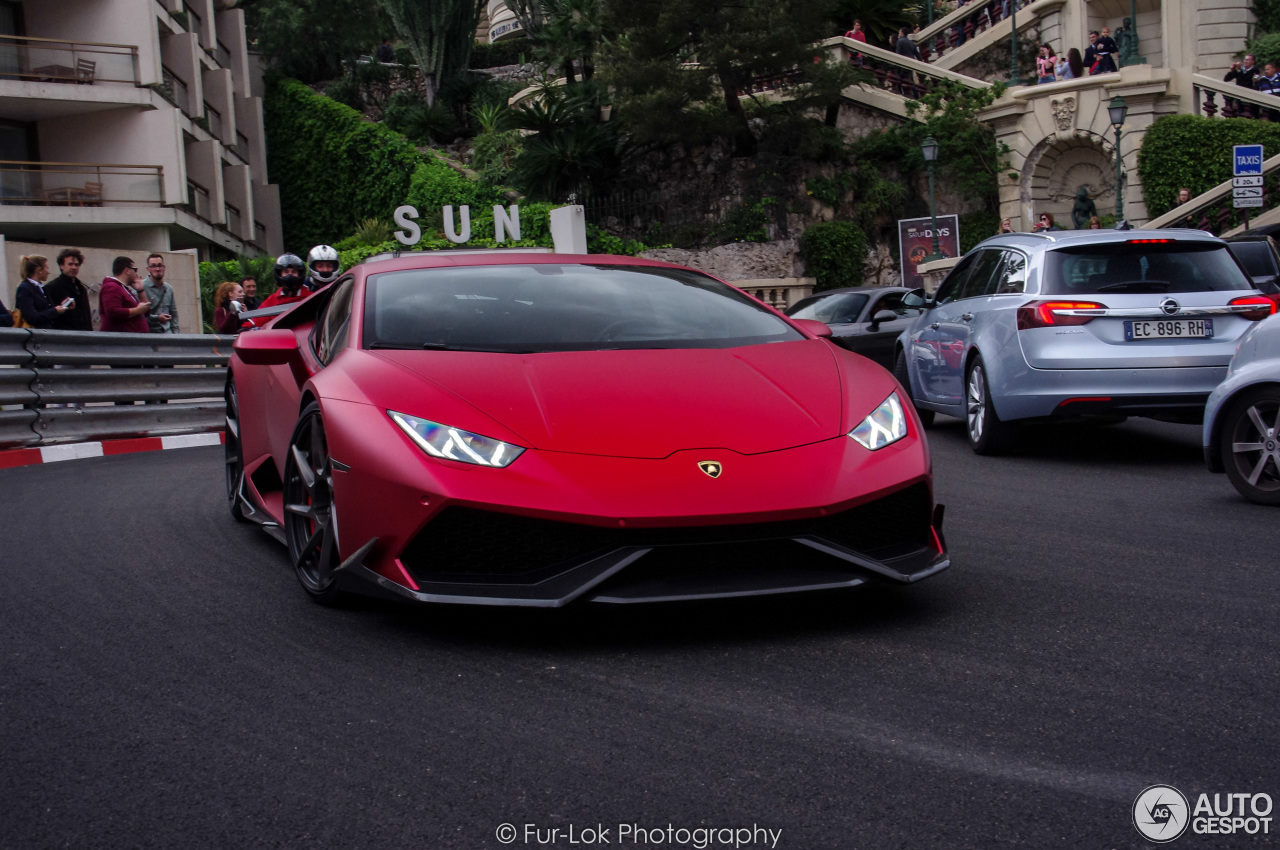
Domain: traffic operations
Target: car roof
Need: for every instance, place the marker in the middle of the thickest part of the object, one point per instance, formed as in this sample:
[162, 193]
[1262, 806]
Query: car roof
[446, 259]
[1247, 237]
[1062, 238]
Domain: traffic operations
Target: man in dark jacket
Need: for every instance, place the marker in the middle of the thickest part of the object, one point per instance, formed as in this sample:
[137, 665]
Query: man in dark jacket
[904, 46]
[68, 285]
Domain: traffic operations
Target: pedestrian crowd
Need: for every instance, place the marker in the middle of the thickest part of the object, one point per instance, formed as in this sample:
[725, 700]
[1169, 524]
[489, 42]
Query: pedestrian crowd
[128, 301]
[1099, 58]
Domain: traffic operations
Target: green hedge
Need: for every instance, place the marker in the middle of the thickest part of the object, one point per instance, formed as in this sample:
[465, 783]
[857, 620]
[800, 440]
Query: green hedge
[1195, 152]
[834, 252]
[335, 169]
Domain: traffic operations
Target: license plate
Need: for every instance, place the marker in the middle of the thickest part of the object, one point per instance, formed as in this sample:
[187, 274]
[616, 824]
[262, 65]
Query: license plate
[1169, 329]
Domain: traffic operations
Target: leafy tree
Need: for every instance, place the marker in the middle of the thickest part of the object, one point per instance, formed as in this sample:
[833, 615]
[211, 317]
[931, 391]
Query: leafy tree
[310, 39]
[570, 150]
[669, 60]
[439, 33]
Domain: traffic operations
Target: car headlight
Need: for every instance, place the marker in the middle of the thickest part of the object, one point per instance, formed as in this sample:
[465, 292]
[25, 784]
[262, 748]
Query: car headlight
[885, 425]
[455, 444]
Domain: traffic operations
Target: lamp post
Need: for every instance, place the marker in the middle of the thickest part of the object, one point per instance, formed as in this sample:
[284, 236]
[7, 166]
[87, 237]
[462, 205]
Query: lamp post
[929, 5]
[1013, 49]
[929, 147]
[1116, 111]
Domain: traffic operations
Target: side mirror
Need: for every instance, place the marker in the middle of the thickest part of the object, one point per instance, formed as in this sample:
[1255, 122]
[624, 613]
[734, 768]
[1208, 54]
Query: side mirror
[916, 298]
[882, 316]
[813, 327]
[267, 348]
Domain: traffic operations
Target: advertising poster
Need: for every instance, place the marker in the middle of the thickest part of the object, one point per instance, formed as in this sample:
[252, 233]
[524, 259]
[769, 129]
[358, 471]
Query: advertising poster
[915, 242]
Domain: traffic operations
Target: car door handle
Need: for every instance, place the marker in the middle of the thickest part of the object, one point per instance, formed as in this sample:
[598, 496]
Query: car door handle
[968, 317]
[934, 326]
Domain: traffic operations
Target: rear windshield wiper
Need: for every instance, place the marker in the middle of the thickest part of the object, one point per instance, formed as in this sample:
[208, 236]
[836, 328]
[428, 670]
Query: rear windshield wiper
[1136, 286]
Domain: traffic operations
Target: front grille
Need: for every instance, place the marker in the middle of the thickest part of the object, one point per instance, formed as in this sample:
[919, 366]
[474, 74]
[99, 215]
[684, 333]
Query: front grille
[475, 545]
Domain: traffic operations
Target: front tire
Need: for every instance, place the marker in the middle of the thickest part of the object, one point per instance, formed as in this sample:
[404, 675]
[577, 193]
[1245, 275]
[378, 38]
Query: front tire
[987, 434]
[233, 454]
[310, 522]
[1251, 445]
[904, 378]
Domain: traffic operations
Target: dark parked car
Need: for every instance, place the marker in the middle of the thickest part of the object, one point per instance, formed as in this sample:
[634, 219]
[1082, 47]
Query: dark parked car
[1258, 253]
[863, 319]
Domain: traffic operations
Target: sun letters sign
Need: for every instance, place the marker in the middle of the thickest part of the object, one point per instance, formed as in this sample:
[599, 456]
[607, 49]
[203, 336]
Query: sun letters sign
[505, 222]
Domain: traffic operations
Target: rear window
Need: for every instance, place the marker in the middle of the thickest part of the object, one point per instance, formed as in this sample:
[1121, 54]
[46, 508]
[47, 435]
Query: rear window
[562, 307]
[833, 309]
[1142, 267]
[1256, 258]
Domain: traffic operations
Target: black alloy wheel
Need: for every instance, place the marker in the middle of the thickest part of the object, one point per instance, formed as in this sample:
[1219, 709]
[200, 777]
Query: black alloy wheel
[233, 454]
[310, 525]
[1251, 445]
[987, 434]
[900, 372]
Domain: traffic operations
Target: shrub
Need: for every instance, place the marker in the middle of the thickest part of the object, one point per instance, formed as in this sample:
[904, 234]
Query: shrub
[834, 253]
[1195, 152]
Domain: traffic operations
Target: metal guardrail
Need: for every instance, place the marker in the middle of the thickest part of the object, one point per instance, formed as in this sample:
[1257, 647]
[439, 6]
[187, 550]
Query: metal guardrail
[39, 368]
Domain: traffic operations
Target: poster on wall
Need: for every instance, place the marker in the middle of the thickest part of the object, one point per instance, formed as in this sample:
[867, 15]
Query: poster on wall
[915, 242]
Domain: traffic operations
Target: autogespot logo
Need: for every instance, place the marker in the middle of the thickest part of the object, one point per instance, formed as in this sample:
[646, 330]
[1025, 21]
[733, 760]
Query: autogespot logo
[1160, 813]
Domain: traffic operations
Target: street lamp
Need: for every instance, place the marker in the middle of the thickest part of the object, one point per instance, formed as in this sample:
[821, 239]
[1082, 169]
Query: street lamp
[1116, 111]
[1013, 49]
[929, 147]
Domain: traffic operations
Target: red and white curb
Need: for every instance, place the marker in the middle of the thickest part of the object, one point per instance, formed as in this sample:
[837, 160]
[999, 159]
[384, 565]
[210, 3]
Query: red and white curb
[106, 448]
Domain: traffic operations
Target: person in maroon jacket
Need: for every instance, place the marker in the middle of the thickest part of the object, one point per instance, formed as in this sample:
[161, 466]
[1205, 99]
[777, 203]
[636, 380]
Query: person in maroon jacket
[122, 308]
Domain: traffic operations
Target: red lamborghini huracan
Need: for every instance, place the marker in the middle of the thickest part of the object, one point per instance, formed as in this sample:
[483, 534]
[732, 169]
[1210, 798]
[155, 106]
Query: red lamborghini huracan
[502, 428]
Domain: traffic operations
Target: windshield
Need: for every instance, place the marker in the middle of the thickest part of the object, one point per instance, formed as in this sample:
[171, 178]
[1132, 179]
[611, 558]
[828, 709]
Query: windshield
[832, 309]
[1154, 267]
[1255, 257]
[561, 307]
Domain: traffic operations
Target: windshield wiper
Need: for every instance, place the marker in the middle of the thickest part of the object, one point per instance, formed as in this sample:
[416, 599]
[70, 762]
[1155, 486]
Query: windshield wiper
[1136, 286]
[444, 346]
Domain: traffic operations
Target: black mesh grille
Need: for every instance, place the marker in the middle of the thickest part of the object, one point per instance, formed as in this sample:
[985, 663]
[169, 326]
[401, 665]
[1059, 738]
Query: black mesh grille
[473, 544]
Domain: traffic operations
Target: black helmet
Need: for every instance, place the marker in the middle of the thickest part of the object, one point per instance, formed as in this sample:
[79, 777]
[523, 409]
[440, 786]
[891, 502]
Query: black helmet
[289, 261]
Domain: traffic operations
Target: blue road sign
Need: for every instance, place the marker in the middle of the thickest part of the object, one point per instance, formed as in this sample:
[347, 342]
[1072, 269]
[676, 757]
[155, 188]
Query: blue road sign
[1246, 159]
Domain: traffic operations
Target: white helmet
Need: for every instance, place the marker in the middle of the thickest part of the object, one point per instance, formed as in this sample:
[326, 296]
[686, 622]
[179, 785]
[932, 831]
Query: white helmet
[323, 253]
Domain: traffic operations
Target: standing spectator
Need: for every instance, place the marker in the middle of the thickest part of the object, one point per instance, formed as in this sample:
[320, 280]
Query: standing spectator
[1244, 74]
[1045, 223]
[163, 317]
[249, 284]
[1268, 82]
[1075, 64]
[122, 307]
[1189, 220]
[1045, 65]
[1107, 51]
[68, 285]
[904, 46]
[1006, 226]
[856, 34]
[385, 52]
[1095, 223]
[228, 303]
[32, 301]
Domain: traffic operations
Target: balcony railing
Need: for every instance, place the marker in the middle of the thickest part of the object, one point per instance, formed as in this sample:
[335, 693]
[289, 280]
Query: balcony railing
[200, 206]
[241, 147]
[57, 61]
[80, 184]
[214, 117]
[223, 55]
[175, 90]
[233, 219]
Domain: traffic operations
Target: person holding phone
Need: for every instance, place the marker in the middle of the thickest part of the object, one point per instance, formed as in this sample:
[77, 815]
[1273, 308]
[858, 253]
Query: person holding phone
[121, 303]
[163, 318]
[68, 286]
[37, 309]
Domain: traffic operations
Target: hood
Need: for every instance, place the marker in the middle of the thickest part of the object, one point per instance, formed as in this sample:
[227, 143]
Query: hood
[647, 404]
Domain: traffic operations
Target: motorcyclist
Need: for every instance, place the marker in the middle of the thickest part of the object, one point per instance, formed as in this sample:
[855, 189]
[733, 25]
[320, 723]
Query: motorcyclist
[325, 267]
[290, 275]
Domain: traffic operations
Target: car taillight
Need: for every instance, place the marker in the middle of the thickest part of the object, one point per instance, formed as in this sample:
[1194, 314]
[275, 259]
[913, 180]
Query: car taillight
[1266, 306]
[1044, 314]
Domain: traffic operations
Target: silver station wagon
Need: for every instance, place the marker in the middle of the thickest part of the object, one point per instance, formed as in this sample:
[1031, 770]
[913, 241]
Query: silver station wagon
[1077, 323]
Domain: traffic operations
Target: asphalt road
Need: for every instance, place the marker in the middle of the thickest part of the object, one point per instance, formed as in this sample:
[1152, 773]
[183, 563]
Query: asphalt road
[1109, 624]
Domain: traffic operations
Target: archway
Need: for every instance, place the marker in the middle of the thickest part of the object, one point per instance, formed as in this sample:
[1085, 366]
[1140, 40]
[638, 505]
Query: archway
[1058, 167]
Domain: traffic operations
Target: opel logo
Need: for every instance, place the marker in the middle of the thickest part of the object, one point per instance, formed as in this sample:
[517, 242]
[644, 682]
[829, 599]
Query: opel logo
[711, 467]
[1170, 307]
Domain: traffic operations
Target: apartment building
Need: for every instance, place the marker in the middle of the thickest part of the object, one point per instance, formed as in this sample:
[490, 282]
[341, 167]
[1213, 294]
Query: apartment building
[133, 124]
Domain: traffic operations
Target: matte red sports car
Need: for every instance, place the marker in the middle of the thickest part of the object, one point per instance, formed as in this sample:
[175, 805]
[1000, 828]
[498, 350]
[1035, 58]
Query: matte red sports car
[533, 429]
